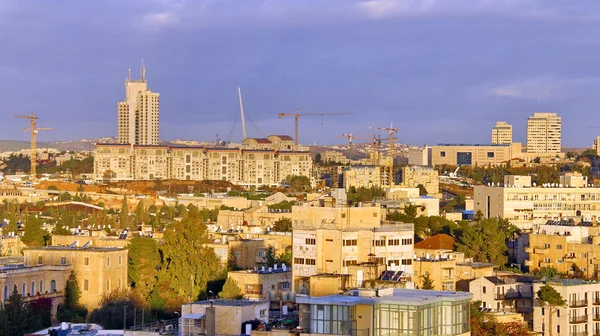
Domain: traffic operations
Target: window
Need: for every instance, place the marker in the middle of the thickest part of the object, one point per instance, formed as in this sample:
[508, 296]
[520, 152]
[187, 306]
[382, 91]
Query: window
[442, 154]
[395, 262]
[261, 254]
[263, 312]
[311, 241]
[407, 241]
[329, 240]
[299, 261]
[379, 242]
[284, 285]
[86, 261]
[24, 292]
[484, 289]
[107, 285]
[349, 262]
[559, 247]
[329, 260]
[490, 154]
[40, 260]
[393, 242]
[406, 261]
[332, 319]
[33, 288]
[86, 285]
[380, 261]
[254, 289]
[311, 261]
[350, 242]
[41, 286]
[5, 292]
[108, 261]
[63, 260]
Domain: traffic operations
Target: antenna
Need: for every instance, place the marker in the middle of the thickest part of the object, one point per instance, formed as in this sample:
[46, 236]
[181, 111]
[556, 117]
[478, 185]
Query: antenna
[242, 113]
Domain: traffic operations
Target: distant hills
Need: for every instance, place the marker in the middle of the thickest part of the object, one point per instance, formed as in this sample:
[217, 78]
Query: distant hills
[75, 145]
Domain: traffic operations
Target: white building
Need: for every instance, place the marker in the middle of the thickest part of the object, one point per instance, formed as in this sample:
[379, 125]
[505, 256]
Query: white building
[544, 133]
[502, 133]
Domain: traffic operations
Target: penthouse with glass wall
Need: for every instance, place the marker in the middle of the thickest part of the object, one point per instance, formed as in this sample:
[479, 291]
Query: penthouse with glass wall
[383, 312]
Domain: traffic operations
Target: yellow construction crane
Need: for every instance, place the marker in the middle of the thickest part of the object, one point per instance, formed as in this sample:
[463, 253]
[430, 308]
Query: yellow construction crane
[34, 130]
[297, 116]
[351, 137]
[391, 131]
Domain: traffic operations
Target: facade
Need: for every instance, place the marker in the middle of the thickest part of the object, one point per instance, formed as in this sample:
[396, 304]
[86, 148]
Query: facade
[138, 113]
[220, 317]
[328, 240]
[98, 270]
[379, 312]
[362, 176]
[412, 176]
[596, 143]
[544, 133]
[266, 283]
[419, 157]
[528, 206]
[502, 133]
[247, 167]
[473, 154]
[334, 156]
[581, 314]
[260, 216]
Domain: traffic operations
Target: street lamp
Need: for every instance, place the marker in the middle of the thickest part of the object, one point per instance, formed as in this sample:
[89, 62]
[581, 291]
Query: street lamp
[212, 295]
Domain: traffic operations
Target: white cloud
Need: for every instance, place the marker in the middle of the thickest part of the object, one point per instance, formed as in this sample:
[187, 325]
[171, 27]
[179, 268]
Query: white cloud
[540, 88]
[161, 20]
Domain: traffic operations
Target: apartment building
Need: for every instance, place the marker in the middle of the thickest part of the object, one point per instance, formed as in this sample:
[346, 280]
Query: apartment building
[581, 314]
[362, 176]
[99, 270]
[137, 119]
[419, 157]
[260, 216]
[375, 312]
[473, 154]
[544, 133]
[266, 283]
[247, 167]
[528, 206]
[502, 133]
[334, 156]
[220, 317]
[413, 176]
[328, 240]
[505, 294]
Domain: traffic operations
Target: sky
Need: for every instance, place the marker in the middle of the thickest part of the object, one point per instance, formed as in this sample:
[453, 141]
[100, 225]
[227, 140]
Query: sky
[442, 71]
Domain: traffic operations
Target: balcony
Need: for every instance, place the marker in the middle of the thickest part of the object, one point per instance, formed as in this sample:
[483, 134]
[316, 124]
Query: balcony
[570, 259]
[578, 319]
[578, 303]
[579, 333]
[595, 333]
[511, 295]
[524, 309]
[540, 250]
[545, 264]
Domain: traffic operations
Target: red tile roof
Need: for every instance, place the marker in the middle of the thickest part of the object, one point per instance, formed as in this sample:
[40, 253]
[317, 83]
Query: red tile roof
[437, 242]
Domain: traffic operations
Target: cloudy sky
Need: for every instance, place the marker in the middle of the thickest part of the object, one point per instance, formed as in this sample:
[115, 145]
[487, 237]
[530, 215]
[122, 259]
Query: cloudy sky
[440, 70]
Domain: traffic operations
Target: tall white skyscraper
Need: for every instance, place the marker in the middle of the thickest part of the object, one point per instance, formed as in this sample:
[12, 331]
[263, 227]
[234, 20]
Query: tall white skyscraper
[502, 133]
[138, 113]
[544, 133]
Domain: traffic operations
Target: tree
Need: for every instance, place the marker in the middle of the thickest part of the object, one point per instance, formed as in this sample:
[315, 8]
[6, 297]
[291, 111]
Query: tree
[298, 183]
[547, 271]
[486, 241]
[427, 281]
[185, 275]
[422, 190]
[318, 158]
[34, 234]
[124, 214]
[17, 316]
[270, 255]
[231, 290]
[110, 313]
[283, 225]
[42, 308]
[71, 310]
[548, 296]
[141, 216]
[143, 265]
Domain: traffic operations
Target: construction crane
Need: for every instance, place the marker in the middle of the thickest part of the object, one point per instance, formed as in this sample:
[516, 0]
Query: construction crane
[391, 131]
[351, 137]
[297, 116]
[34, 131]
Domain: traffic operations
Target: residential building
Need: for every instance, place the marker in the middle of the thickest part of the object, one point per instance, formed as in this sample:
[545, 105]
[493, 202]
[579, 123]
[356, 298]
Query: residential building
[581, 313]
[502, 133]
[376, 312]
[473, 154]
[326, 240]
[244, 166]
[138, 114]
[528, 206]
[266, 283]
[260, 216]
[362, 176]
[220, 317]
[99, 270]
[334, 156]
[413, 176]
[420, 156]
[544, 133]
[505, 294]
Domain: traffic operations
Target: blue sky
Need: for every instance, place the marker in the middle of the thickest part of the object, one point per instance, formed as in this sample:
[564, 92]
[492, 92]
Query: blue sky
[440, 70]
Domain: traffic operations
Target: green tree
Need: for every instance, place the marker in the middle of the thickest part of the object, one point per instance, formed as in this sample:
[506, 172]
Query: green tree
[231, 290]
[17, 316]
[110, 313]
[318, 158]
[427, 281]
[422, 190]
[34, 234]
[42, 308]
[283, 225]
[486, 241]
[270, 256]
[124, 218]
[141, 215]
[550, 272]
[71, 310]
[298, 183]
[144, 262]
[232, 262]
[548, 296]
[185, 275]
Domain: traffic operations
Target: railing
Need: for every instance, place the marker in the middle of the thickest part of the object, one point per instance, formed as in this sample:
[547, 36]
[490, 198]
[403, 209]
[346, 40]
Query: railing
[512, 295]
[163, 327]
[578, 319]
[596, 332]
[524, 309]
[579, 333]
[578, 303]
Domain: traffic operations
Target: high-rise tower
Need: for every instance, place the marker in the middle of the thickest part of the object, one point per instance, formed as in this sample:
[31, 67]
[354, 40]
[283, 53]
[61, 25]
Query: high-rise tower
[138, 113]
[502, 133]
[544, 133]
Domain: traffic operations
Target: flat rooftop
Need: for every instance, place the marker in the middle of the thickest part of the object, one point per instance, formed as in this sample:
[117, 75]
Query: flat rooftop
[400, 296]
[76, 248]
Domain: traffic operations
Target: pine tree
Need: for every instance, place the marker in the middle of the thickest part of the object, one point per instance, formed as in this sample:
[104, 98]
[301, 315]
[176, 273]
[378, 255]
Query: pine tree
[231, 290]
[71, 310]
[427, 281]
[34, 234]
[18, 317]
[548, 296]
[124, 214]
[144, 261]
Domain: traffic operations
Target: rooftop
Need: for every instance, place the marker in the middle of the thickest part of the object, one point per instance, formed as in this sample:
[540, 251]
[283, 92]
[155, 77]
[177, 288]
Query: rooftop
[76, 248]
[473, 145]
[571, 282]
[438, 242]
[229, 303]
[391, 296]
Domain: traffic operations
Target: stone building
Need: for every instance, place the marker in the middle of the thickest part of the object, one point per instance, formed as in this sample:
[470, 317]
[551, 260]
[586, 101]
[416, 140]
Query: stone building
[266, 283]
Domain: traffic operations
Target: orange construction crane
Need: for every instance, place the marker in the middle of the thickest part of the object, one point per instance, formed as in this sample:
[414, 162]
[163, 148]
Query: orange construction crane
[34, 130]
[297, 116]
[391, 131]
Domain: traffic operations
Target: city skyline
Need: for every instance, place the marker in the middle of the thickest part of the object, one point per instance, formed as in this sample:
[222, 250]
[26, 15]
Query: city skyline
[383, 59]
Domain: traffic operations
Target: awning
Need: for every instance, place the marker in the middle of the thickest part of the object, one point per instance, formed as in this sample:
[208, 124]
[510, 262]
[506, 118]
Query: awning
[193, 316]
